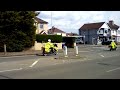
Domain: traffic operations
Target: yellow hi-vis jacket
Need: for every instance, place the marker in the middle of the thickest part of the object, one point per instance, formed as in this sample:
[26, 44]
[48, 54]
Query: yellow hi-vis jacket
[51, 44]
[47, 47]
[113, 44]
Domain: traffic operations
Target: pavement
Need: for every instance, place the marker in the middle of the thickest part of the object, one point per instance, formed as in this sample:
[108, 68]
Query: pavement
[34, 52]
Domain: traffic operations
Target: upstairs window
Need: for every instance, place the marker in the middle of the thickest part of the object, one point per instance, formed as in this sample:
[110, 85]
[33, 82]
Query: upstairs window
[102, 29]
[41, 26]
[114, 31]
[99, 31]
[105, 31]
[118, 31]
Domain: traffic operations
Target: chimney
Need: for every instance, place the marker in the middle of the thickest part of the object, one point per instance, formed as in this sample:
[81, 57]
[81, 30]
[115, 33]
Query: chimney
[111, 22]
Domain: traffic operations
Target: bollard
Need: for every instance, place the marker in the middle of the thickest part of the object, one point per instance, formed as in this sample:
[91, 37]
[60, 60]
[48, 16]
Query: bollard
[76, 49]
[65, 51]
[5, 49]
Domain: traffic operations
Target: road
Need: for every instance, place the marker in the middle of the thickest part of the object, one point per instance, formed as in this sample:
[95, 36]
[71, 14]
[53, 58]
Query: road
[99, 63]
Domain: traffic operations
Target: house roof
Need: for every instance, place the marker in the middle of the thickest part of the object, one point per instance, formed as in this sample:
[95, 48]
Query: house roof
[53, 30]
[90, 26]
[114, 26]
[40, 20]
[72, 34]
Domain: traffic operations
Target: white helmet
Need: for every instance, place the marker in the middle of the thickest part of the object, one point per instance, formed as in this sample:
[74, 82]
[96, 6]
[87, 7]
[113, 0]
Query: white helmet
[49, 40]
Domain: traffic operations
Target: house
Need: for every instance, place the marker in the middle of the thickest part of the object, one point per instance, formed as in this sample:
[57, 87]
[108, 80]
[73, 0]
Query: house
[100, 31]
[114, 31]
[41, 26]
[56, 31]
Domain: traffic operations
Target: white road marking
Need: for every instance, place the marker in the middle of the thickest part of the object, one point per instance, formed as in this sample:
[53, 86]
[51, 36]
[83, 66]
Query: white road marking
[102, 56]
[2, 62]
[11, 70]
[34, 63]
[113, 69]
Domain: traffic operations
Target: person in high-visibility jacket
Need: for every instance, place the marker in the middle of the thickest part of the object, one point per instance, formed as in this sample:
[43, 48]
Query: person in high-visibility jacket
[113, 44]
[48, 46]
[51, 46]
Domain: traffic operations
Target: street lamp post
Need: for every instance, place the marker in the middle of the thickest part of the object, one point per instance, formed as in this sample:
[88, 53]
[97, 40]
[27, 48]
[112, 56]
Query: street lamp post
[51, 19]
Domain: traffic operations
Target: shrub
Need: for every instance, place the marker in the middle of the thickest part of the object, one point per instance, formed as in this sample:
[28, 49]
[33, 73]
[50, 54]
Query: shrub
[14, 47]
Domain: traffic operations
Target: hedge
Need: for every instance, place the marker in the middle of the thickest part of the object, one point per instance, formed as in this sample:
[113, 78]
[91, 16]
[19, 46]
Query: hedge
[69, 41]
[44, 38]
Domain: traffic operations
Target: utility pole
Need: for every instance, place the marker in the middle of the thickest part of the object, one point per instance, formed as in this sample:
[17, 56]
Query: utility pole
[51, 19]
[5, 49]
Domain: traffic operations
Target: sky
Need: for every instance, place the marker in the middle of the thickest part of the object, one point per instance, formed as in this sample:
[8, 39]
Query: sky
[71, 21]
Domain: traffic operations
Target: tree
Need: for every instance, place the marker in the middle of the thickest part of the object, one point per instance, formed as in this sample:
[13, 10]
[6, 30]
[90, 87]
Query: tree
[17, 30]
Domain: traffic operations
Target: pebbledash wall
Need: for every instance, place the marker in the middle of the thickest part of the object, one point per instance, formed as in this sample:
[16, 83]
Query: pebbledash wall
[38, 46]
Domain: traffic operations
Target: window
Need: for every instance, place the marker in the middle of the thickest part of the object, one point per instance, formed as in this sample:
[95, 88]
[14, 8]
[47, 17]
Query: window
[118, 31]
[105, 31]
[102, 29]
[41, 26]
[113, 31]
[113, 38]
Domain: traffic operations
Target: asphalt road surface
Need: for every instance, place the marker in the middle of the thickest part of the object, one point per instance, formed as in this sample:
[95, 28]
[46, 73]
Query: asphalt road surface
[99, 63]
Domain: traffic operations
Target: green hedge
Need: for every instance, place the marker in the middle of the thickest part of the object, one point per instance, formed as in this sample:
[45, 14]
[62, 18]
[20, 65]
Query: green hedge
[44, 38]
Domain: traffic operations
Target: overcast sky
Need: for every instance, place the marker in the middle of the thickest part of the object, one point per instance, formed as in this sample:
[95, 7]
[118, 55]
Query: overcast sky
[71, 21]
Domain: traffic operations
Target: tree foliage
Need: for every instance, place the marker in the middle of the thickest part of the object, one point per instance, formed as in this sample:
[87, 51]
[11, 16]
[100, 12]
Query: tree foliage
[17, 30]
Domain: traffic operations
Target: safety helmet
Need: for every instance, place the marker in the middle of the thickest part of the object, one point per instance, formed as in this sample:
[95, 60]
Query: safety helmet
[49, 40]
